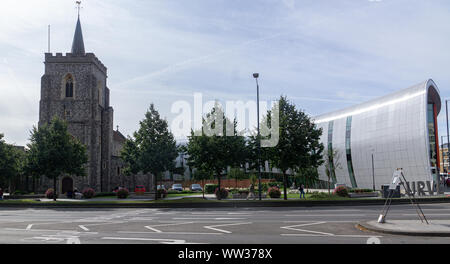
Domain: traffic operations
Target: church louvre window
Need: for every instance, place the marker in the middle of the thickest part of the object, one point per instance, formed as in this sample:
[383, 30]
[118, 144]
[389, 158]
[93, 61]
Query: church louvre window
[69, 87]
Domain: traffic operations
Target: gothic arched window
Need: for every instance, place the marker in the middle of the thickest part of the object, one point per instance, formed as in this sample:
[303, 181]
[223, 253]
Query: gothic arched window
[69, 87]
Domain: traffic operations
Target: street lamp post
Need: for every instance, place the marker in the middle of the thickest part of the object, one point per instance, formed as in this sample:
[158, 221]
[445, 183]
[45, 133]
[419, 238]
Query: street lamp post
[442, 151]
[373, 174]
[256, 76]
[448, 134]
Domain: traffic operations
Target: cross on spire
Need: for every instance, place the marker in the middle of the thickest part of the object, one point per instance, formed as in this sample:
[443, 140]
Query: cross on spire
[78, 7]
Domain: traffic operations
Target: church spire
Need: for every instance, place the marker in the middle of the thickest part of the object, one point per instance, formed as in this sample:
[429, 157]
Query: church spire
[78, 43]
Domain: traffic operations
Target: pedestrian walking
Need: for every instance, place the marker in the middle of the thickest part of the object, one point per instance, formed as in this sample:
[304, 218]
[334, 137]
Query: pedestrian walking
[1, 194]
[302, 191]
[251, 193]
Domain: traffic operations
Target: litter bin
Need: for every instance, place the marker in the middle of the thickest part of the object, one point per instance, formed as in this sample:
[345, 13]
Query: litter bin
[385, 190]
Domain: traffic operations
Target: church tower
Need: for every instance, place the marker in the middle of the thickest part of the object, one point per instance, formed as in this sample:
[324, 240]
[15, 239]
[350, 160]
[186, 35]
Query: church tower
[74, 88]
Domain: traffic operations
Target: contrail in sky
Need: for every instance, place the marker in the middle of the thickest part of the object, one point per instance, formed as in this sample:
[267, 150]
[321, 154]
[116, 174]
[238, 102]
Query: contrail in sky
[199, 60]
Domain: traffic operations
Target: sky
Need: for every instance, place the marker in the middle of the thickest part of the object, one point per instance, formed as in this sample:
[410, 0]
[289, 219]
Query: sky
[323, 55]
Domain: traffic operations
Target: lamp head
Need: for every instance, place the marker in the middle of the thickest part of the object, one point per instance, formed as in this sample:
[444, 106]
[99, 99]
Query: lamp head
[255, 75]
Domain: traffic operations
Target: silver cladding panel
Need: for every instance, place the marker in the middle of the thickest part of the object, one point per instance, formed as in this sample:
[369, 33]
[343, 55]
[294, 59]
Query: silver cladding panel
[393, 128]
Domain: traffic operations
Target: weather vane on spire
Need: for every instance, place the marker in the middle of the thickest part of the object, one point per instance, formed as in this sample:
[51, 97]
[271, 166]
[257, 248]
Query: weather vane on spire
[78, 7]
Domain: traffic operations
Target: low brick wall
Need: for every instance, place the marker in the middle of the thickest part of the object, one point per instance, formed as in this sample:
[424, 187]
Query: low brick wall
[228, 183]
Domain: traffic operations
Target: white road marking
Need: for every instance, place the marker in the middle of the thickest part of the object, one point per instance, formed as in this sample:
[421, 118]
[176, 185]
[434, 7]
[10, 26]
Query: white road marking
[170, 224]
[153, 229]
[318, 235]
[307, 231]
[84, 228]
[326, 215]
[333, 210]
[208, 218]
[163, 241]
[166, 233]
[140, 219]
[47, 230]
[29, 227]
[306, 221]
[426, 214]
[225, 231]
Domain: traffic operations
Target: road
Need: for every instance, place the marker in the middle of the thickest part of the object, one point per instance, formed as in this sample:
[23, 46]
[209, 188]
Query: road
[317, 225]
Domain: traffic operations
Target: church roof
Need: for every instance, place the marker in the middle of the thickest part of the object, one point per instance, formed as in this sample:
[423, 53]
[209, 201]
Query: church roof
[119, 137]
[78, 43]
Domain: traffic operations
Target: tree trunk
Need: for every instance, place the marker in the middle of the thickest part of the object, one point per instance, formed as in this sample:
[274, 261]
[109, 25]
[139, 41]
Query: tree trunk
[156, 186]
[34, 184]
[26, 184]
[203, 188]
[285, 185]
[54, 189]
[329, 186]
[218, 181]
[149, 180]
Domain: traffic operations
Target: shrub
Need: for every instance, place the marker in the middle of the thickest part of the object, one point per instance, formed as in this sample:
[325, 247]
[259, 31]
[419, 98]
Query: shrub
[319, 195]
[88, 193]
[19, 192]
[275, 184]
[162, 193]
[123, 193]
[356, 190]
[222, 194]
[50, 193]
[341, 191]
[274, 192]
[264, 187]
[210, 188]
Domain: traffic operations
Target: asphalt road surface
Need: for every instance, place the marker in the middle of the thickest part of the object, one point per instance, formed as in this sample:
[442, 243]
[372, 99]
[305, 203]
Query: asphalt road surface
[316, 225]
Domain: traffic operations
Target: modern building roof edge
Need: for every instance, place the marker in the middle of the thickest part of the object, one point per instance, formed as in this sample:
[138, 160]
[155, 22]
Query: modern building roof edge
[404, 94]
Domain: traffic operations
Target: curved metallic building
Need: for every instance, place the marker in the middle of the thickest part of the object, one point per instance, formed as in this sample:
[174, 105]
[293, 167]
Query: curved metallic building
[395, 131]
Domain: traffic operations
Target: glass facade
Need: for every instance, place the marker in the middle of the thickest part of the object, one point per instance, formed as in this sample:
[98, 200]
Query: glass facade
[431, 121]
[348, 150]
[399, 128]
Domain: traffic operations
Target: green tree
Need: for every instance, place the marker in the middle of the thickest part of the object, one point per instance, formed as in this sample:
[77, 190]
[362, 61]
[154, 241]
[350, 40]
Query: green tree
[11, 163]
[236, 174]
[298, 145]
[202, 175]
[215, 151]
[152, 149]
[54, 152]
[332, 162]
[306, 176]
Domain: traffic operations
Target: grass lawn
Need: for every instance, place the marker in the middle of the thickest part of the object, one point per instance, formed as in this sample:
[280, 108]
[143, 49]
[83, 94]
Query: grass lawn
[183, 194]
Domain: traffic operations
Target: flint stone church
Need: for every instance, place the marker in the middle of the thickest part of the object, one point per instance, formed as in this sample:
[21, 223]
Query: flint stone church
[74, 88]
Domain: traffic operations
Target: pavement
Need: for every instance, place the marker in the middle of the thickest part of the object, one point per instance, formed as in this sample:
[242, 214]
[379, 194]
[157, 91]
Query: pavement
[440, 228]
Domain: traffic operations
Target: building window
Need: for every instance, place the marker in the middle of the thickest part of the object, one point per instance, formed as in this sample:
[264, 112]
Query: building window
[348, 134]
[431, 120]
[69, 87]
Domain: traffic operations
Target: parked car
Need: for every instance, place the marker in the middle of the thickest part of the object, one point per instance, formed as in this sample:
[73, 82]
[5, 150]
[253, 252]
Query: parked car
[196, 188]
[139, 189]
[177, 187]
[159, 187]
